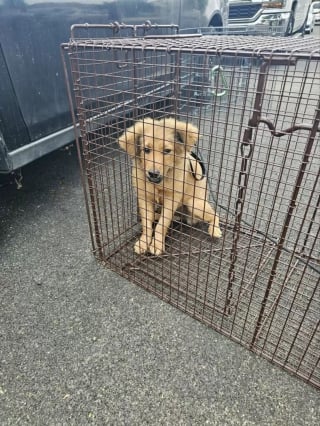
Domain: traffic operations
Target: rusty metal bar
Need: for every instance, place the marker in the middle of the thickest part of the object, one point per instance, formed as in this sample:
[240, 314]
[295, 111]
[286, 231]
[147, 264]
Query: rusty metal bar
[288, 219]
[116, 28]
[247, 143]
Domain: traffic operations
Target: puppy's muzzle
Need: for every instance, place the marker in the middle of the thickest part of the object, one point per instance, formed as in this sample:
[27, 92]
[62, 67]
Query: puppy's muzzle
[154, 176]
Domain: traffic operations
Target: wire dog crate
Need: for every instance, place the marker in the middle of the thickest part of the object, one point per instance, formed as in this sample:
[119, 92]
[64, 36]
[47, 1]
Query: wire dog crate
[253, 107]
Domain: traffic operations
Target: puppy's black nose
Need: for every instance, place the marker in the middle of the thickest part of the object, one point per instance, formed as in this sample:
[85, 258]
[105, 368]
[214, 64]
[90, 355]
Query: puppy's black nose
[154, 174]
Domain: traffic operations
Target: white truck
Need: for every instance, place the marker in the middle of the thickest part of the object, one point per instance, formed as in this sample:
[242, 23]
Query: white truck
[281, 17]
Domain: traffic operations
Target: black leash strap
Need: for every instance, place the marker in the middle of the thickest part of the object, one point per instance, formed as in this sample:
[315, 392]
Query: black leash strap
[203, 168]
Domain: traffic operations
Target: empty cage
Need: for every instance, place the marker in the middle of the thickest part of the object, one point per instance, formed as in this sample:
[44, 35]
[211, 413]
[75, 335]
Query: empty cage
[251, 107]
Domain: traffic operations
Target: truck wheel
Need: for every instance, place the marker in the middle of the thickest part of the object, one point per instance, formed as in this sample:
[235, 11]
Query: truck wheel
[216, 22]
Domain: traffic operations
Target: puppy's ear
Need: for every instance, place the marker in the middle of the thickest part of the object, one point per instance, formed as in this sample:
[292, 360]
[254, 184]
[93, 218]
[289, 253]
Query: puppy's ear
[186, 134]
[129, 140]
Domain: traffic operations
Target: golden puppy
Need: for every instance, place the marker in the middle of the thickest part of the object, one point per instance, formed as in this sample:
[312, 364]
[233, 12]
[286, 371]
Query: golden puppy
[165, 173]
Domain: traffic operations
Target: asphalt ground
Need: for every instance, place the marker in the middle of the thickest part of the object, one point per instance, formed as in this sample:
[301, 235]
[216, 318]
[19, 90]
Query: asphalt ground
[80, 345]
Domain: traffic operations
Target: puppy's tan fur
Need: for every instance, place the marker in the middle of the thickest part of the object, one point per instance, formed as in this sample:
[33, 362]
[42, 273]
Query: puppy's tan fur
[164, 146]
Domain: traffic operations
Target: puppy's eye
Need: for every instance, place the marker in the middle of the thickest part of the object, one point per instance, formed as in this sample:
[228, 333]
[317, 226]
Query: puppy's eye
[167, 151]
[146, 150]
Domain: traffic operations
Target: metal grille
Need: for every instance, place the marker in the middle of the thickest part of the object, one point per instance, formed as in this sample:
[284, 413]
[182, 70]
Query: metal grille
[255, 102]
[244, 11]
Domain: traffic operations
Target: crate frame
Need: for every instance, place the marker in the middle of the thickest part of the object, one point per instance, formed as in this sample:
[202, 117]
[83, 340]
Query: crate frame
[288, 293]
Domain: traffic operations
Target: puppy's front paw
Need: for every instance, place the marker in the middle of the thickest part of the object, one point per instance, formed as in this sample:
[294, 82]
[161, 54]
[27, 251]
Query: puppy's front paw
[157, 247]
[215, 231]
[141, 246]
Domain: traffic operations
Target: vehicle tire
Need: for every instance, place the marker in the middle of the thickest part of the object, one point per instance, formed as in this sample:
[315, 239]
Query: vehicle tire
[290, 26]
[216, 22]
